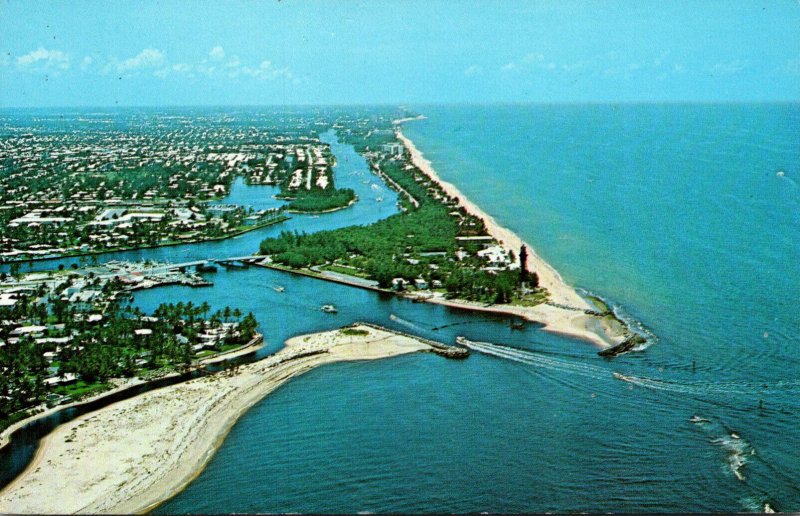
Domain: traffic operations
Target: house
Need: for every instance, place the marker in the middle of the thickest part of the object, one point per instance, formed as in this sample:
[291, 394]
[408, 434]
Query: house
[495, 255]
[398, 284]
[64, 379]
[83, 301]
[32, 331]
[421, 284]
[252, 220]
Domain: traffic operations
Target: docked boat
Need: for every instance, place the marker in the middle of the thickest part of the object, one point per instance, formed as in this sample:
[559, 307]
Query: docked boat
[330, 309]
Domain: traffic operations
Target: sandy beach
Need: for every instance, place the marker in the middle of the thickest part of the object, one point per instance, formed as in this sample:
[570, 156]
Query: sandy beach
[132, 455]
[569, 318]
[123, 384]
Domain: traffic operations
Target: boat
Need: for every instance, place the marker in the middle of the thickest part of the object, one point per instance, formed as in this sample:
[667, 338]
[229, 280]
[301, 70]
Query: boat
[206, 267]
[278, 288]
[698, 419]
[330, 309]
[735, 435]
[622, 377]
[518, 325]
[462, 341]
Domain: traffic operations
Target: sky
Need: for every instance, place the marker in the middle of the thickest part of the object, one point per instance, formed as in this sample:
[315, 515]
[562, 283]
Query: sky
[244, 52]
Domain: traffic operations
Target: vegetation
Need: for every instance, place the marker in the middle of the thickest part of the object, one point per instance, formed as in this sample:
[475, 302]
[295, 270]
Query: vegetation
[316, 200]
[354, 332]
[125, 343]
[418, 244]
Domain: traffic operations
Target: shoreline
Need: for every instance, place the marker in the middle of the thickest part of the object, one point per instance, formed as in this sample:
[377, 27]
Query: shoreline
[572, 321]
[124, 384]
[132, 455]
[139, 248]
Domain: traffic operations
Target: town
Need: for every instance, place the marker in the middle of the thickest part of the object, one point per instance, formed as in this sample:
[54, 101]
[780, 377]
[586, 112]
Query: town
[89, 188]
[147, 181]
[68, 334]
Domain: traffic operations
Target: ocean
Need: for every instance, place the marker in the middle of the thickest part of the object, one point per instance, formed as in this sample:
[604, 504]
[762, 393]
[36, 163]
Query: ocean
[686, 218]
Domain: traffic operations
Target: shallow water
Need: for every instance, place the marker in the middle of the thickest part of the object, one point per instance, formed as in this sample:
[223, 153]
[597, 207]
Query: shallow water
[674, 212]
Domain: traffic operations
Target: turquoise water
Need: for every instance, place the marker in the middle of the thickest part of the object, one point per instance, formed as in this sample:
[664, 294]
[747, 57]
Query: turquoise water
[675, 213]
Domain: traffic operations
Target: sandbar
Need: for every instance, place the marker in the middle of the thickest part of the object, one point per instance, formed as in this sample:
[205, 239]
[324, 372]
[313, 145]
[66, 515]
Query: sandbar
[131, 455]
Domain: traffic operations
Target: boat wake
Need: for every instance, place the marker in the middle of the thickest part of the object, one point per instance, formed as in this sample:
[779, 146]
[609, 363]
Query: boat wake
[695, 389]
[406, 323]
[704, 388]
[535, 359]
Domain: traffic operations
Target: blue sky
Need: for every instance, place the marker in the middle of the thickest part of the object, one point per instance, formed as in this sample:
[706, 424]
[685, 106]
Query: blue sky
[314, 52]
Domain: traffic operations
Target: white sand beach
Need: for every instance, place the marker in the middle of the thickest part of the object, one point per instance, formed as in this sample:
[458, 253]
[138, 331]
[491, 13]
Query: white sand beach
[132, 455]
[123, 384]
[570, 321]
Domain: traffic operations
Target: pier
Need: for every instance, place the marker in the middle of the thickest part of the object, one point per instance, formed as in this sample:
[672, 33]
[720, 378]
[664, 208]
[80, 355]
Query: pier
[437, 348]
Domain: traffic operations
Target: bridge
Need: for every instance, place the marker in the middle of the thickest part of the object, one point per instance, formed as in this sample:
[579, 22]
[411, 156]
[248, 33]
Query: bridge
[221, 261]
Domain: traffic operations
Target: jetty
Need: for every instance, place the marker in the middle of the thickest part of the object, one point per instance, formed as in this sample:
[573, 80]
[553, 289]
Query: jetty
[437, 348]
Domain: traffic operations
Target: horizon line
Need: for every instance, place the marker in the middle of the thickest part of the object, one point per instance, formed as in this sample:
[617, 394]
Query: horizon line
[401, 105]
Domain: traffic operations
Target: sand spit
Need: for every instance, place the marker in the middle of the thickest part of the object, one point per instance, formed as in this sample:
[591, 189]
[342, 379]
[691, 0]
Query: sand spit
[123, 384]
[132, 455]
[566, 312]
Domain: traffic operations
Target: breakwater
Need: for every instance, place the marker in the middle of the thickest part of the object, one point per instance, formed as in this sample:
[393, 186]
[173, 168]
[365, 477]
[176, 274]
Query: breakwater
[437, 348]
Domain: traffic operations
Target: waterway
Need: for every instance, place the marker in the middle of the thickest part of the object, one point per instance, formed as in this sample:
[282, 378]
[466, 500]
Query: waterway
[674, 212]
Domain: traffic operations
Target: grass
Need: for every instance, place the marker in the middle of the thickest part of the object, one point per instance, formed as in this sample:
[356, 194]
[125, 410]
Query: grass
[536, 298]
[348, 271]
[354, 332]
[81, 389]
[601, 306]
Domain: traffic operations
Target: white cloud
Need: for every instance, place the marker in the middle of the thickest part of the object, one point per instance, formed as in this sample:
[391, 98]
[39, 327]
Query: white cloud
[43, 58]
[147, 58]
[233, 62]
[86, 62]
[728, 68]
[182, 67]
[533, 58]
[473, 70]
[508, 67]
[217, 53]
[266, 71]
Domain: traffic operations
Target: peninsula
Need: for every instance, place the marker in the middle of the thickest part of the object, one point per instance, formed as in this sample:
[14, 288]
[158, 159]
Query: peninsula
[444, 249]
[565, 312]
[163, 438]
